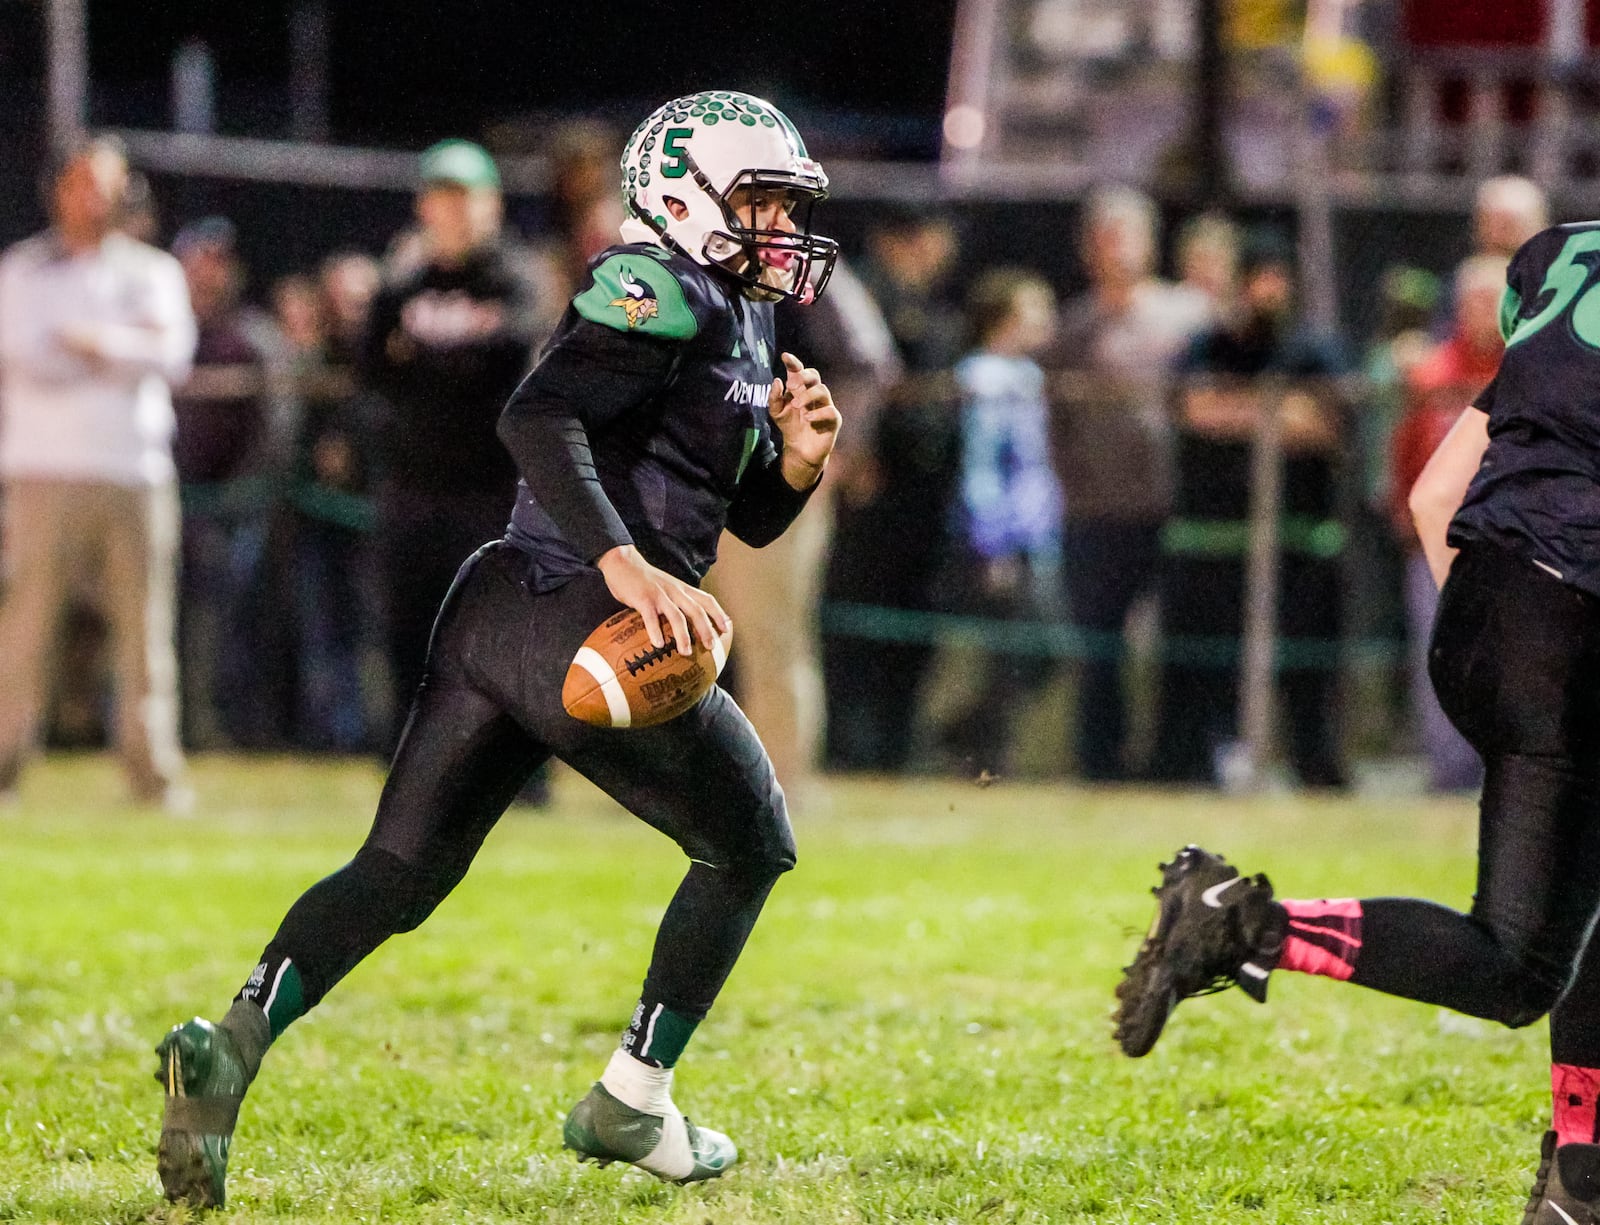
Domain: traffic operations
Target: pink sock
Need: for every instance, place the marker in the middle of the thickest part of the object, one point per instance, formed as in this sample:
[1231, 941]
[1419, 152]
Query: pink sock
[1572, 1092]
[1324, 937]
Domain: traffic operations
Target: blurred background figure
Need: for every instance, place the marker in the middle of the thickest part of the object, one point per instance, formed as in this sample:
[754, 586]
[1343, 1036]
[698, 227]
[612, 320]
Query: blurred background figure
[141, 214]
[1113, 446]
[95, 328]
[1438, 387]
[1233, 373]
[330, 512]
[891, 527]
[1207, 267]
[583, 216]
[1379, 682]
[348, 281]
[1006, 534]
[1508, 210]
[449, 337]
[222, 413]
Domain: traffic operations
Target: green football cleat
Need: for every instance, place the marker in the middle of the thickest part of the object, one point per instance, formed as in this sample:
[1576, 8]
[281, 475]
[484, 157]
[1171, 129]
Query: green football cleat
[603, 1129]
[205, 1079]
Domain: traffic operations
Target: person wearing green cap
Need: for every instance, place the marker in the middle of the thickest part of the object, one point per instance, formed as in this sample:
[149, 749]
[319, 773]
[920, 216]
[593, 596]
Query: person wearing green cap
[450, 336]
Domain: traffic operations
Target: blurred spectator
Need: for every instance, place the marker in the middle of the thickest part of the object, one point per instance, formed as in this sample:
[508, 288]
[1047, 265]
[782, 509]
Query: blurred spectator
[222, 413]
[95, 326]
[349, 281]
[1508, 211]
[1007, 529]
[891, 524]
[1208, 268]
[1438, 388]
[301, 313]
[141, 216]
[330, 515]
[1408, 298]
[449, 337]
[1260, 359]
[1375, 567]
[772, 592]
[1113, 448]
[79, 717]
[910, 252]
[585, 214]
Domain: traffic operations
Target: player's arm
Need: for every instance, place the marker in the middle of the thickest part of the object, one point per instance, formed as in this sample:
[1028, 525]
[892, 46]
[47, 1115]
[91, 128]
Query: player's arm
[1438, 493]
[589, 377]
[778, 485]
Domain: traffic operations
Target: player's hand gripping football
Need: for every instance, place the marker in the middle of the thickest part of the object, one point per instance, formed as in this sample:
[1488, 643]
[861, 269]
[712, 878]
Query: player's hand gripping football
[657, 596]
[801, 406]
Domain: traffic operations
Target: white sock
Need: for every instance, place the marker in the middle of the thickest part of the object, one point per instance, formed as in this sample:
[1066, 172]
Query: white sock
[649, 1090]
[636, 1084]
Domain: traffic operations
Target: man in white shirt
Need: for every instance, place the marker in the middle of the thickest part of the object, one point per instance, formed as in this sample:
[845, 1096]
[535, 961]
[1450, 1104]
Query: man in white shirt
[95, 327]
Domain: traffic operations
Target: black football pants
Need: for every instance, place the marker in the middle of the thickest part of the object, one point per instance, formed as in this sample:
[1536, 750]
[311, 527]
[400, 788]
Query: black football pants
[487, 712]
[1515, 660]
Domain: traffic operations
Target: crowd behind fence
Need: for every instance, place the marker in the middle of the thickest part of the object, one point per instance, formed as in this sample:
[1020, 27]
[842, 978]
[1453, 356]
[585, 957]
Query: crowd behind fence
[1035, 549]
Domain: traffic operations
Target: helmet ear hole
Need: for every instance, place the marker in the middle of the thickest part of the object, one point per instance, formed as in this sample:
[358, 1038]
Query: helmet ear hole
[676, 207]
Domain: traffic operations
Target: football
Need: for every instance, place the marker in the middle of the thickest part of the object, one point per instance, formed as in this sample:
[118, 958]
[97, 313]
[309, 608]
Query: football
[617, 679]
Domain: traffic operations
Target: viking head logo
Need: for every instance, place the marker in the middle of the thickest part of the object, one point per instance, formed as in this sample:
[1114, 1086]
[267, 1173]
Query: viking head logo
[638, 300]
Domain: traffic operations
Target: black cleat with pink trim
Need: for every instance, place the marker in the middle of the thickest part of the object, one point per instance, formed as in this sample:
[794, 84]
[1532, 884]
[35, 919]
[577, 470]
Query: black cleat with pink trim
[1213, 929]
[1566, 1191]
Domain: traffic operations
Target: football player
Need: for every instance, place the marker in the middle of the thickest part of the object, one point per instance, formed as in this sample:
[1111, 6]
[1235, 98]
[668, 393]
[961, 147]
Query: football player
[651, 421]
[1508, 513]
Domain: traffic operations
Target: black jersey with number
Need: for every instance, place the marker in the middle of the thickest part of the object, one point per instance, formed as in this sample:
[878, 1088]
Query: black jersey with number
[645, 421]
[1538, 488]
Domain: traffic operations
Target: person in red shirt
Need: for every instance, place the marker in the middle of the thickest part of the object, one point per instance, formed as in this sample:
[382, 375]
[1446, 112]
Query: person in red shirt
[1437, 389]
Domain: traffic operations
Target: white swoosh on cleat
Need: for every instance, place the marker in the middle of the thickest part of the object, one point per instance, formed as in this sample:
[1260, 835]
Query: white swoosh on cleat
[1212, 897]
[1565, 1215]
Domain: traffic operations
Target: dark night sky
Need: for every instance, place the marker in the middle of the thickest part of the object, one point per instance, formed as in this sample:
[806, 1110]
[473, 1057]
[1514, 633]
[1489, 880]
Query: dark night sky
[403, 73]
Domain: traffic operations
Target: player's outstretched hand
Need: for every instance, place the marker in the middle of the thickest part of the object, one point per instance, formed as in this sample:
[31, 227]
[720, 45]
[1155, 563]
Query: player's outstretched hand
[657, 596]
[801, 406]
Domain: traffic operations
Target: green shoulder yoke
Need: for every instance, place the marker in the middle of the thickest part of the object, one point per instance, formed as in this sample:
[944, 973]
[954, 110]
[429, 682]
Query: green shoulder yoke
[637, 292]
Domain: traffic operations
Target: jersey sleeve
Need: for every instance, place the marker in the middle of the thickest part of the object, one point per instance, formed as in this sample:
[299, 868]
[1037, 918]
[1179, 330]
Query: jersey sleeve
[588, 376]
[637, 294]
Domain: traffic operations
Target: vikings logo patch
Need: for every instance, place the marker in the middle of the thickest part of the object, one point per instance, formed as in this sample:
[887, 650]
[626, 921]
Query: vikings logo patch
[638, 300]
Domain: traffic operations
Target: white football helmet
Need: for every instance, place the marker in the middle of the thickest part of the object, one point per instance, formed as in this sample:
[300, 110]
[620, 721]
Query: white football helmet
[699, 150]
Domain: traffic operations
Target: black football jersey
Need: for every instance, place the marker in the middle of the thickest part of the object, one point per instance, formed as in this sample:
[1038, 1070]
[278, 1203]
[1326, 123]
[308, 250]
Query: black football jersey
[1538, 488]
[656, 381]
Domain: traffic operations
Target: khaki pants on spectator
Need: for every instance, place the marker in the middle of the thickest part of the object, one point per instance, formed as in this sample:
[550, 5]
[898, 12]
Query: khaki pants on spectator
[771, 594]
[53, 529]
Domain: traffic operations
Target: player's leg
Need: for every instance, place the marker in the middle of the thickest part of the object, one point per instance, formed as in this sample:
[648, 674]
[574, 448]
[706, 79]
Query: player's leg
[704, 780]
[1567, 1186]
[1535, 719]
[461, 759]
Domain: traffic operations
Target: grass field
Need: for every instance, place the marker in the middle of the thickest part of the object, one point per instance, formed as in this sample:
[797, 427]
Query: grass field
[918, 1031]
